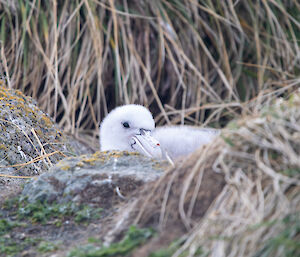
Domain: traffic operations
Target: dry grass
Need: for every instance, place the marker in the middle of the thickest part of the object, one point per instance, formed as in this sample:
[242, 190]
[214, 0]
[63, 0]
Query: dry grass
[189, 61]
[261, 167]
[239, 196]
[196, 62]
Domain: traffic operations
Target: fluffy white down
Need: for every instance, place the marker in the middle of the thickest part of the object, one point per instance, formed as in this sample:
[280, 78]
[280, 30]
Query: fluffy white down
[113, 136]
[182, 140]
[176, 140]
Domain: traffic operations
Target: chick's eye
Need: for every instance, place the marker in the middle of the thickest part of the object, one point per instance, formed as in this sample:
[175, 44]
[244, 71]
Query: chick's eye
[126, 125]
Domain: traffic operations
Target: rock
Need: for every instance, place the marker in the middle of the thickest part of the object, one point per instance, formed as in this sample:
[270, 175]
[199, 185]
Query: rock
[99, 179]
[30, 142]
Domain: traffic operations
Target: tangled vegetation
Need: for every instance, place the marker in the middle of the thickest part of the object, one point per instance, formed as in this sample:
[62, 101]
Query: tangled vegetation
[226, 64]
[190, 61]
[256, 212]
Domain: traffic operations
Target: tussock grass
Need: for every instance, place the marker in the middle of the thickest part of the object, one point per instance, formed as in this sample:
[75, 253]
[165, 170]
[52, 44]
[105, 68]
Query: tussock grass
[252, 211]
[196, 62]
[189, 61]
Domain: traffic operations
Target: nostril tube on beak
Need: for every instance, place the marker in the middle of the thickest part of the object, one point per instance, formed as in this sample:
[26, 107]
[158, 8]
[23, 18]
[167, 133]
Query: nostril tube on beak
[146, 144]
[145, 132]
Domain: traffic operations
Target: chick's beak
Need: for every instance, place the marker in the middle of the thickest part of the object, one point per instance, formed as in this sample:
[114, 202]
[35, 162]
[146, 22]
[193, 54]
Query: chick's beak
[146, 144]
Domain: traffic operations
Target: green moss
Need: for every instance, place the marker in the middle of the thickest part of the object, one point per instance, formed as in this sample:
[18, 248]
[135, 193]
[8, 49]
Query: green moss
[22, 214]
[86, 214]
[11, 203]
[133, 238]
[292, 172]
[42, 212]
[7, 225]
[45, 247]
[287, 241]
[10, 247]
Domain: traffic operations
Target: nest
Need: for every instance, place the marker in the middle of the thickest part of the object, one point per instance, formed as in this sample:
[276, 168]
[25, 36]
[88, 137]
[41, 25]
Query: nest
[234, 196]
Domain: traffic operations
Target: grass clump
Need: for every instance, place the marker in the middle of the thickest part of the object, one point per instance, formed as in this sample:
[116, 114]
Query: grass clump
[239, 196]
[133, 238]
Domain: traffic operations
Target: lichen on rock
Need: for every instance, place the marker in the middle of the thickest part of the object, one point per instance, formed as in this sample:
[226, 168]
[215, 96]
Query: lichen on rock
[99, 179]
[30, 142]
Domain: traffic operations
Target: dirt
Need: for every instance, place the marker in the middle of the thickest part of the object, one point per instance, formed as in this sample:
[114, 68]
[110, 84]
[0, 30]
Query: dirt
[62, 235]
[67, 235]
[63, 223]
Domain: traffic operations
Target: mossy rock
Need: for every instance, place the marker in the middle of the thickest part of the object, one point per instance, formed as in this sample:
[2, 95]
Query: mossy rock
[101, 179]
